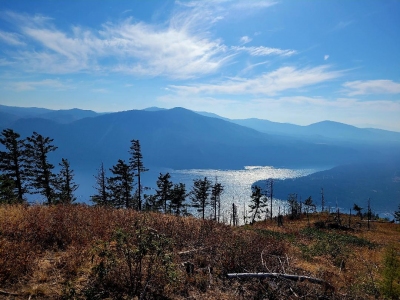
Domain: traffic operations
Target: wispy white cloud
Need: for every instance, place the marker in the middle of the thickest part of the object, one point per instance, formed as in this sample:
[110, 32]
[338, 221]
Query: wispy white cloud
[5, 62]
[23, 18]
[263, 51]
[243, 5]
[10, 38]
[360, 87]
[137, 48]
[245, 39]
[173, 51]
[256, 4]
[180, 48]
[271, 83]
[326, 57]
[252, 66]
[33, 85]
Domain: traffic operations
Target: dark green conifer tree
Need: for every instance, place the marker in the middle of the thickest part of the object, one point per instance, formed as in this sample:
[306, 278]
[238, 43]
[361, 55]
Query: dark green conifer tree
[216, 191]
[358, 209]
[178, 197]
[102, 197]
[7, 190]
[199, 195]
[39, 169]
[308, 203]
[270, 189]
[397, 215]
[121, 186]
[257, 205]
[164, 191]
[136, 164]
[13, 162]
[65, 184]
[294, 206]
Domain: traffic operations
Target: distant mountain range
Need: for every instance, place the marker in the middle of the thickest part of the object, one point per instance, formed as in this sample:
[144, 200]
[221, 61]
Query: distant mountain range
[9, 114]
[323, 130]
[182, 139]
[179, 138]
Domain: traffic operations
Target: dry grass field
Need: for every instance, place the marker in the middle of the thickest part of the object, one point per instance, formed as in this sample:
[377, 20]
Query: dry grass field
[83, 252]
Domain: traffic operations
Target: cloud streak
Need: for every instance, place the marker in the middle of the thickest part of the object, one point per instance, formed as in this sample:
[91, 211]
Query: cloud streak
[245, 39]
[264, 51]
[175, 51]
[13, 39]
[271, 83]
[365, 87]
[33, 85]
[180, 48]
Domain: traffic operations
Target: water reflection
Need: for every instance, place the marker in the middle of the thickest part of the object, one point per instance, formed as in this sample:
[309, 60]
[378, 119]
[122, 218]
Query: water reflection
[237, 183]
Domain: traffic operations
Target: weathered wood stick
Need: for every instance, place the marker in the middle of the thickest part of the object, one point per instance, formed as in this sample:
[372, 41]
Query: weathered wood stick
[2, 292]
[193, 250]
[279, 275]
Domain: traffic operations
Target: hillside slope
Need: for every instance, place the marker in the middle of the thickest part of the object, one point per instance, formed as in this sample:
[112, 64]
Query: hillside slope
[82, 252]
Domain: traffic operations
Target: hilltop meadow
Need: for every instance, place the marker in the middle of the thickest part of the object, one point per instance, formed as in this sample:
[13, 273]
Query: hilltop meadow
[89, 252]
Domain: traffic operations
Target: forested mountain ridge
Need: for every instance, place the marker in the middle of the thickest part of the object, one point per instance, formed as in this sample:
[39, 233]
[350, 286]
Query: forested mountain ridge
[324, 131]
[179, 138]
[59, 116]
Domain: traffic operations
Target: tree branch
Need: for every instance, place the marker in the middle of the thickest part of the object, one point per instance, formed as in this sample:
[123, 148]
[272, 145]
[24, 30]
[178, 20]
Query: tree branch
[279, 275]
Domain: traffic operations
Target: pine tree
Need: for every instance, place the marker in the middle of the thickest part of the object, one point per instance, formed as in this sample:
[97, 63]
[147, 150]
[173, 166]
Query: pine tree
[257, 205]
[120, 185]
[136, 164]
[164, 191]
[308, 203]
[199, 194]
[397, 215]
[216, 191]
[65, 183]
[102, 197]
[294, 206]
[178, 197]
[40, 170]
[270, 188]
[13, 161]
[7, 190]
[358, 209]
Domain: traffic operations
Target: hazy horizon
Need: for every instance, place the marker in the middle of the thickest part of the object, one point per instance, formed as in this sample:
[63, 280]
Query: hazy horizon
[105, 112]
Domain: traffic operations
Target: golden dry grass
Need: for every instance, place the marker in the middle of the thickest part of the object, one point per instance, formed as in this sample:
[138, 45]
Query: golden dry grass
[83, 252]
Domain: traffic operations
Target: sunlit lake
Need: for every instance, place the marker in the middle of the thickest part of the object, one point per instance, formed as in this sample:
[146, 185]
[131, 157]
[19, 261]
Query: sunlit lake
[237, 183]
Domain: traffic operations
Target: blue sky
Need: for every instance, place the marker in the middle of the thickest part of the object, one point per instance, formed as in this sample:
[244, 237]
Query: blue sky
[286, 61]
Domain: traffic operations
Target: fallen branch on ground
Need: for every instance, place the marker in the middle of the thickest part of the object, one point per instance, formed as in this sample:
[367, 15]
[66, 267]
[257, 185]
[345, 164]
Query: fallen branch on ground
[279, 275]
[2, 292]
